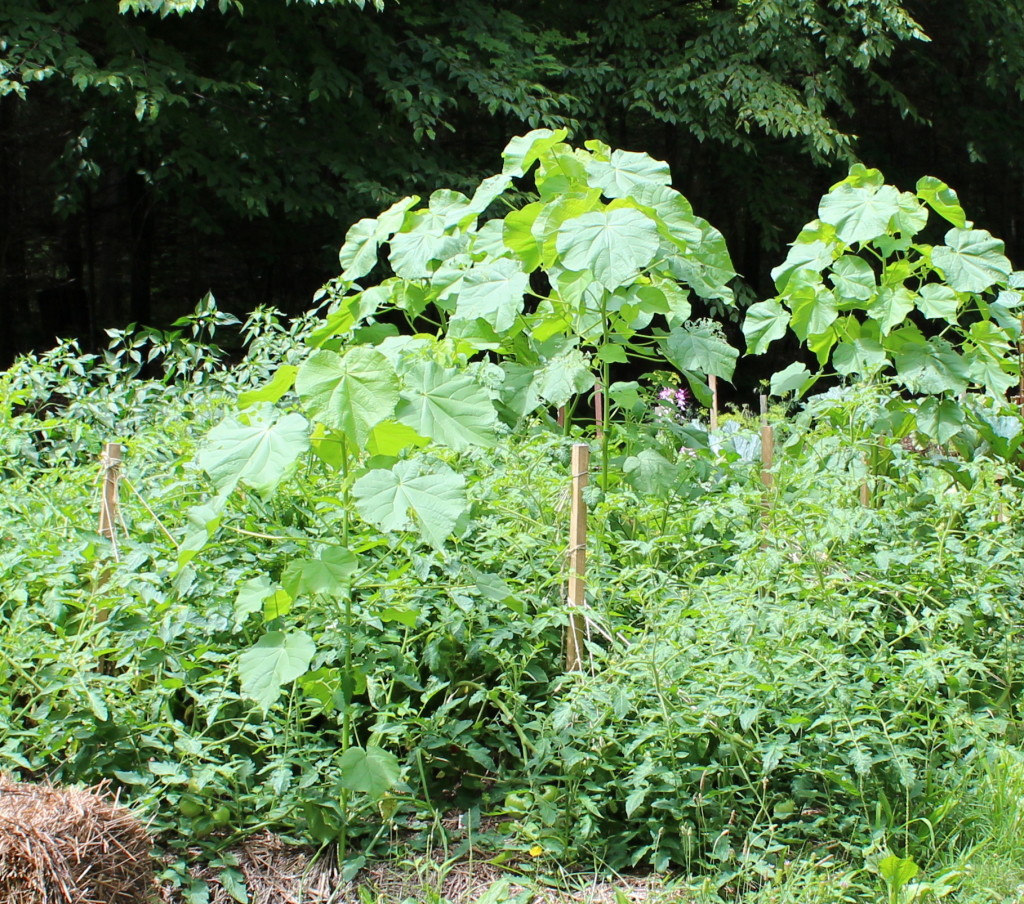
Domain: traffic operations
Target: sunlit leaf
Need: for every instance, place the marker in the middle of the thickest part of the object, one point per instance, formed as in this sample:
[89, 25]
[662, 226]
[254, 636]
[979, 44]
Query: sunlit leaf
[350, 392]
[413, 496]
[447, 406]
[258, 449]
[972, 260]
[613, 245]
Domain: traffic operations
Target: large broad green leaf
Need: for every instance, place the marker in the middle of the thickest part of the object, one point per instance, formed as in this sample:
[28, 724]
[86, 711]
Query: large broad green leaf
[625, 171]
[940, 419]
[814, 255]
[863, 356]
[853, 279]
[927, 365]
[793, 378]
[372, 771]
[492, 292]
[562, 377]
[614, 245]
[359, 253]
[487, 192]
[912, 216]
[765, 322]
[517, 233]
[813, 311]
[276, 659]
[350, 392]
[524, 150]
[413, 496]
[942, 199]
[972, 260]
[699, 347]
[412, 252]
[674, 213]
[939, 302]
[890, 308]
[447, 406]
[328, 574]
[859, 214]
[258, 449]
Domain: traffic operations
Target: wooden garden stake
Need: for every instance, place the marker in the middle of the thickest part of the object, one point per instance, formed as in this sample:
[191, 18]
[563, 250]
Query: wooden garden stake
[109, 503]
[767, 446]
[713, 384]
[577, 558]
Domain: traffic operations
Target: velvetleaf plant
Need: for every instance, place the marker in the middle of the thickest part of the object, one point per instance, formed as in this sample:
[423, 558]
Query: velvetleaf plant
[507, 315]
[874, 303]
[595, 270]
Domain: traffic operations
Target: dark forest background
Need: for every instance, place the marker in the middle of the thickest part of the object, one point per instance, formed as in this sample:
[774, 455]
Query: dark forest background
[153, 150]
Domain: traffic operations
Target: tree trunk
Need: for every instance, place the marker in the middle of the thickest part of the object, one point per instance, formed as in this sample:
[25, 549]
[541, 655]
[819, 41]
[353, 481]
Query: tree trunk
[141, 249]
[14, 307]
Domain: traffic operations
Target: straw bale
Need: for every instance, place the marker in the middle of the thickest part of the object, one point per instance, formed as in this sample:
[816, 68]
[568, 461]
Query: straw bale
[70, 846]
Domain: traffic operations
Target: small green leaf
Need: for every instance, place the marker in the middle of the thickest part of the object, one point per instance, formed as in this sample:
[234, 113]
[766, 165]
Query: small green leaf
[359, 253]
[562, 377]
[250, 596]
[700, 347]
[329, 574]
[890, 308]
[853, 278]
[273, 391]
[813, 311]
[940, 420]
[938, 301]
[813, 255]
[790, 379]
[942, 199]
[372, 771]
[524, 150]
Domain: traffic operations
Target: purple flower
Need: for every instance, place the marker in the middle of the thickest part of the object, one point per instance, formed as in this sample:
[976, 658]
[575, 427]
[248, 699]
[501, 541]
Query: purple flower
[678, 401]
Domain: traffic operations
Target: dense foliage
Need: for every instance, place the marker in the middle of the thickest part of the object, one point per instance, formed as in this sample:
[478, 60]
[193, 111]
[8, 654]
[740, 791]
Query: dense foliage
[334, 602]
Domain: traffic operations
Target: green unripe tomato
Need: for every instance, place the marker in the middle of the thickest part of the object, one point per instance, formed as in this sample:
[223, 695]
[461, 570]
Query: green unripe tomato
[190, 807]
[221, 816]
[550, 794]
[518, 801]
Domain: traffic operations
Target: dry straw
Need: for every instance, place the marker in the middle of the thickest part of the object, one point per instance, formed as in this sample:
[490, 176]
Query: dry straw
[70, 846]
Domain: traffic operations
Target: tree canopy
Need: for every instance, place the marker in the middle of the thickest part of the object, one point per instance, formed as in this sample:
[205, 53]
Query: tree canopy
[156, 148]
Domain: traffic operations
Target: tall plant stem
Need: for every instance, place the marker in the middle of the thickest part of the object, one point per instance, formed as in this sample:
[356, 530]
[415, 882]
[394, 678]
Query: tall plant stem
[602, 417]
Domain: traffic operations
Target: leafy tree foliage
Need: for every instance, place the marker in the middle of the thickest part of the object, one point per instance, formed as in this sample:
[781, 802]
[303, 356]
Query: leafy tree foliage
[155, 124]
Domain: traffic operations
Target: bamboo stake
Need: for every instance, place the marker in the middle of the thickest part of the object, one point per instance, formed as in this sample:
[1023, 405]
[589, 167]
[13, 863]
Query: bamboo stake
[577, 558]
[109, 503]
[713, 384]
